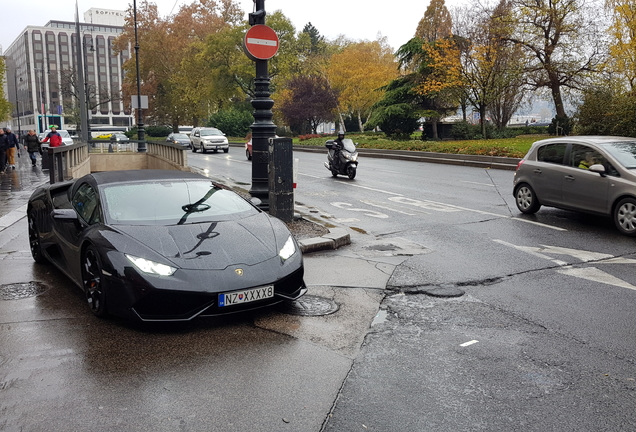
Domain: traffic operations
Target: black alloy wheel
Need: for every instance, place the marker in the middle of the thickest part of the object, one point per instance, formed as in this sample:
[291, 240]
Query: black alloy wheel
[92, 282]
[34, 241]
[526, 199]
[625, 216]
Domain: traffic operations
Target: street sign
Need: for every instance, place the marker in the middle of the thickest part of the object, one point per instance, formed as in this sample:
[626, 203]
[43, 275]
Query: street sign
[261, 42]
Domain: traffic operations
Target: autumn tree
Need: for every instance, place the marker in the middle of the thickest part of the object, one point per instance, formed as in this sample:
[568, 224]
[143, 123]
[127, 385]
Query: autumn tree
[166, 48]
[5, 106]
[436, 23]
[357, 73]
[561, 39]
[622, 47]
[307, 102]
[491, 66]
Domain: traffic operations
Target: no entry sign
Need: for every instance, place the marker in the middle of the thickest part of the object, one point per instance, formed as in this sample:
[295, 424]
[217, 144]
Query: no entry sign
[261, 42]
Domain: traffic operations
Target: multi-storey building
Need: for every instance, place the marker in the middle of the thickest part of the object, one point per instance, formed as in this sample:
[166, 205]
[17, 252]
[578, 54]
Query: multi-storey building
[41, 73]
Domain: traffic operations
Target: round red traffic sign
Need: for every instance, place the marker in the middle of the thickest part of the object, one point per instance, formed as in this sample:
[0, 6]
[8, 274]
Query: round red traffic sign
[261, 42]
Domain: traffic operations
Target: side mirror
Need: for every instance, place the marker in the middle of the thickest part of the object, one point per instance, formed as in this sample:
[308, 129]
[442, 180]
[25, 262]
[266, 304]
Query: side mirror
[598, 168]
[64, 214]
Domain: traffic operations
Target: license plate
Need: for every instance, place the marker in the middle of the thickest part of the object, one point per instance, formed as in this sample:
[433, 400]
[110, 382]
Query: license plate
[246, 296]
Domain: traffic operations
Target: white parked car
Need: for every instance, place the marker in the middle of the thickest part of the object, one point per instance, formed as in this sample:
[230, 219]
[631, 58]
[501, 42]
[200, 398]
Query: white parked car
[208, 138]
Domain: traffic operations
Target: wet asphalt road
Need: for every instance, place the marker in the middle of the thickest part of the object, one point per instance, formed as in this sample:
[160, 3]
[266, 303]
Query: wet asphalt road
[528, 347]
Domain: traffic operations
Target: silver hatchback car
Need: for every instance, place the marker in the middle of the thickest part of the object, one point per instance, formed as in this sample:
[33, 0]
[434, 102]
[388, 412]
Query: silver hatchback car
[592, 174]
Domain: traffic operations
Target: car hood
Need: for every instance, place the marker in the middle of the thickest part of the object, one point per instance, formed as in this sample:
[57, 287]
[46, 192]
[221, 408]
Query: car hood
[214, 245]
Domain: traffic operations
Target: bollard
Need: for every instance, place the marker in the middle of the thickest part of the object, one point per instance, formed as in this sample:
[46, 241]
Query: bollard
[281, 191]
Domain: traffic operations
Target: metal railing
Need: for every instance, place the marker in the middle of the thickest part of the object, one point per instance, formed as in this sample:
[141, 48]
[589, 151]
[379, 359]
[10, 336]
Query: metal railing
[64, 162]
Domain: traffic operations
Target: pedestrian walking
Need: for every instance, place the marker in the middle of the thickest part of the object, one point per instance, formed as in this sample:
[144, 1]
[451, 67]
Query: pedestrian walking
[54, 136]
[33, 145]
[12, 147]
[3, 150]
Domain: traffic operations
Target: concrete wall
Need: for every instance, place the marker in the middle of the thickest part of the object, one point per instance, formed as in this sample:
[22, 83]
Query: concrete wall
[131, 161]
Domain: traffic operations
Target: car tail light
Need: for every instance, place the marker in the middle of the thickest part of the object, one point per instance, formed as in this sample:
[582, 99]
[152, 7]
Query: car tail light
[519, 164]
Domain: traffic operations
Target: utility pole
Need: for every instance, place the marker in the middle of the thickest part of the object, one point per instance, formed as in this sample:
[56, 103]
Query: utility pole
[141, 135]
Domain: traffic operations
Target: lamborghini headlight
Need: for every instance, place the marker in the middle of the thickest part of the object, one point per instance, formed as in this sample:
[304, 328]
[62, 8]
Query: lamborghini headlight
[288, 249]
[151, 267]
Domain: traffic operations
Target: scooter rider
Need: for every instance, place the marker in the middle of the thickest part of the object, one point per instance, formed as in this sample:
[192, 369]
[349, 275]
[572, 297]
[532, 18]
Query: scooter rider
[338, 145]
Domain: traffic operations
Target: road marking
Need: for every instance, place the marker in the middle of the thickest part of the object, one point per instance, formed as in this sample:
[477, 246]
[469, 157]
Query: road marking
[465, 344]
[595, 275]
[589, 273]
[371, 213]
[387, 208]
[477, 183]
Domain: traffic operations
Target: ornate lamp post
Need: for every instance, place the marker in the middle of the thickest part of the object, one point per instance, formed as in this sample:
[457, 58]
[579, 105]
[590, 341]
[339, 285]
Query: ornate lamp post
[263, 128]
[140, 120]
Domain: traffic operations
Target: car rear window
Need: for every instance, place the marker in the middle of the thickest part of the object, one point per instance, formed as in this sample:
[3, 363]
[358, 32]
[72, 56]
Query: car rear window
[551, 153]
[172, 202]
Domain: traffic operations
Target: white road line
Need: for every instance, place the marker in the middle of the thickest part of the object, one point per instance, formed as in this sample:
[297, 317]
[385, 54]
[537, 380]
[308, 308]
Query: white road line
[465, 344]
[477, 183]
[387, 208]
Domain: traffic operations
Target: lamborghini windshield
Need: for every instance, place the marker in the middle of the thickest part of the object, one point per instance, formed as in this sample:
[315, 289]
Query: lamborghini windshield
[172, 202]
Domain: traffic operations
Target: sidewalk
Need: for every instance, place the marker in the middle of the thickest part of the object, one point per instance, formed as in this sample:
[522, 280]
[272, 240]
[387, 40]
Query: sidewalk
[16, 186]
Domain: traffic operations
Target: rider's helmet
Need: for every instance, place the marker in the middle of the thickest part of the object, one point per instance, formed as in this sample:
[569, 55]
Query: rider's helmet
[341, 134]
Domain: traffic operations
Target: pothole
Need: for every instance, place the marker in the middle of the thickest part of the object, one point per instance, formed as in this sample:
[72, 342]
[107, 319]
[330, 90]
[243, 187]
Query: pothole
[18, 291]
[310, 305]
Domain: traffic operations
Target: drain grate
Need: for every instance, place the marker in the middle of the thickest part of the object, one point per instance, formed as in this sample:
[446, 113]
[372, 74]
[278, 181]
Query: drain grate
[310, 305]
[17, 291]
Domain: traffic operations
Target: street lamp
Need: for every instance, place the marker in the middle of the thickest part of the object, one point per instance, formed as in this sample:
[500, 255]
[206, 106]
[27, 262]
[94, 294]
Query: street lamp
[17, 102]
[87, 96]
[140, 120]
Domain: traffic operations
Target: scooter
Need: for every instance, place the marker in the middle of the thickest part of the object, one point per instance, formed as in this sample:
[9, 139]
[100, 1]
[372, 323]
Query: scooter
[348, 158]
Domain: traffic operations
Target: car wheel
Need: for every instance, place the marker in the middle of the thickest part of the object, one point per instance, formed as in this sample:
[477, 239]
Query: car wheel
[34, 242]
[625, 216]
[526, 200]
[226, 150]
[194, 149]
[92, 282]
[248, 155]
[351, 172]
[203, 150]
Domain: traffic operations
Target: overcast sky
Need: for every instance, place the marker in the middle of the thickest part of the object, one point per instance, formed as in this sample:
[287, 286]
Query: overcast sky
[395, 19]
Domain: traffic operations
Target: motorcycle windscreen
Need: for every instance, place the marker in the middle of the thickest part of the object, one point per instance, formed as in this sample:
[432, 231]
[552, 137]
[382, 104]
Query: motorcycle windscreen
[348, 145]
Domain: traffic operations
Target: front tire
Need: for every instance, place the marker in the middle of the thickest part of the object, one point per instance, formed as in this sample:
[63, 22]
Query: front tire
[526, 200]
[351, 172]
[194, 149]
[92, 282]
[625, 216]
[226, 150]
[34, 242]
[203, 150]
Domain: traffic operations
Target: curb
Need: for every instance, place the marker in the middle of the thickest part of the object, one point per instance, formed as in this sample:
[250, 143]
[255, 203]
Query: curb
[336, 238]
[490, 162]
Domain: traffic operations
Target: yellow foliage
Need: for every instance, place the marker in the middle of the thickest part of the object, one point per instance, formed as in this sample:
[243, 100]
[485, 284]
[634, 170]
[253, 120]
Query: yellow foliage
[358, 71]
[445, 68]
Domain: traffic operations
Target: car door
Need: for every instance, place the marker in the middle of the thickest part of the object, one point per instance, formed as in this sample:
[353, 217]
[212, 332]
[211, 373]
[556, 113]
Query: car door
[582, 189]
[70, 231]
[547, 172]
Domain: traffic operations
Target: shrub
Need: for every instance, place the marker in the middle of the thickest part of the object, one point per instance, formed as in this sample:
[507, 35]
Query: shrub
[158, 131]
[309, 136]
[232, 122]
